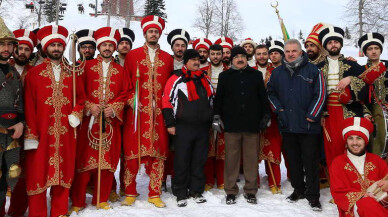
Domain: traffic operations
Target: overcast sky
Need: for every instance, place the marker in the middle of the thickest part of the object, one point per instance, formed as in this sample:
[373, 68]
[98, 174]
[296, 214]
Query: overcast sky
[259, 17]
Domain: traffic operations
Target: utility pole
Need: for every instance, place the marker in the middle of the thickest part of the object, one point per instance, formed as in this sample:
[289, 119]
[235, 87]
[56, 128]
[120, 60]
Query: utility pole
[56, 12]
[109, 12]
[95, 9]
[129, 14]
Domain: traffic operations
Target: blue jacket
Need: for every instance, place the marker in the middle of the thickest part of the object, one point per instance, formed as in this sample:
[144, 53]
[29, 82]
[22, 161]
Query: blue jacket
[301, 95]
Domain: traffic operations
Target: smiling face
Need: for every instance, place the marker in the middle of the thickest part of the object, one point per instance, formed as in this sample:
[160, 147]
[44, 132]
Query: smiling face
[355, 145]
[215, 57]
[106, 49]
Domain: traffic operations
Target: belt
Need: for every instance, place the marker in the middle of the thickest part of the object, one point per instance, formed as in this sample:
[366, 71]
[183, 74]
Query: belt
[9, 116]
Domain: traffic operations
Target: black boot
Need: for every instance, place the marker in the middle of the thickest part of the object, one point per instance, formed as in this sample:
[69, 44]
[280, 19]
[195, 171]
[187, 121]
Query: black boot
[295, 196]
[315, 205]
[230, 199]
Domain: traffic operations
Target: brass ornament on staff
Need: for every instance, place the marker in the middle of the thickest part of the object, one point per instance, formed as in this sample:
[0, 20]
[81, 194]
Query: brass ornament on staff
[73, 69]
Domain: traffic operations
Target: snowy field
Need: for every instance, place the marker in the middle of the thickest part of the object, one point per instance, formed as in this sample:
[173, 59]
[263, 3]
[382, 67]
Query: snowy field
[268, 204]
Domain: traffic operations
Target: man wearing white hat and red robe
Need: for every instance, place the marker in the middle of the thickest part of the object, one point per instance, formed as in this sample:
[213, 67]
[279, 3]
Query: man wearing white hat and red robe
[202, 45]
[105, 93]
[50, 120]
[249, 45]
[148, 69]
[227, 45]
[352, 173]
[21, 55]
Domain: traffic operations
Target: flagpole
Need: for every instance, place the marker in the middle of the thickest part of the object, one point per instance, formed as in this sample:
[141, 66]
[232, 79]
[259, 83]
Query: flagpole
[282, 26]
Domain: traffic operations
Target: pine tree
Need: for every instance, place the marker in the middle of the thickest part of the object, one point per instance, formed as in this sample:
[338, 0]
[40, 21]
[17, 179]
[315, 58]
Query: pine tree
[270, 38]
[155, 7]
[301, 35]
[49, 10]
[347, 33]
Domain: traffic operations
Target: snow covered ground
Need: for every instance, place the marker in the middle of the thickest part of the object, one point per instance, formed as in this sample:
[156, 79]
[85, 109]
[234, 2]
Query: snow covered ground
[268, 204]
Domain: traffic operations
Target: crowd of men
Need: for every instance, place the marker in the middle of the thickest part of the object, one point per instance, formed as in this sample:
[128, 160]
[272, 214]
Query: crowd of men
[66, 128]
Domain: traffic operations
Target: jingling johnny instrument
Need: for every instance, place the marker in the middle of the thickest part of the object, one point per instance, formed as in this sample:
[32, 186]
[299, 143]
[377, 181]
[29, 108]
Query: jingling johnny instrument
[381, 196]
[73, 68]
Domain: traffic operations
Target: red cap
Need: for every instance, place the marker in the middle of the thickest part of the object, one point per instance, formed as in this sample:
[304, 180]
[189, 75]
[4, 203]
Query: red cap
[26, 37]
[357, 126]
[107, 34]
[51, 34]
[225, 42]
[313, 36]
[202, 43]
[152, 21]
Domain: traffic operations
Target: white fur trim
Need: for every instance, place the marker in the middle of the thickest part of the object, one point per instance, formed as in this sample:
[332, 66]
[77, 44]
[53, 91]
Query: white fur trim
[331, 33]
[24, 38]
[52, 36]
[155, 21]
[202, 41]
[356, 127]
[370, 39]
[86, 38]
[224, 42]
[180, 36]
[276, 46]
[73, 121]
[106, 38]
[31, 144]
[248, 42]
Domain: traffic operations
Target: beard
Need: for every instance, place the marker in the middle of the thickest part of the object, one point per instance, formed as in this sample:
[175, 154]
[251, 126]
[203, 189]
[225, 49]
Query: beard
[108, 55]
[55, 55]
[202, 60]
[216, 64]
[5, 58]
[21, 62]
[153, 42]
[226, 61]
[249, 55]
[362, 152]
[312, 55]
[262, 65]
[334, 53]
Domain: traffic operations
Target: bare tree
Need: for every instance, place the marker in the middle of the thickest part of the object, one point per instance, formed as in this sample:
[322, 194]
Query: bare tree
[204, 22]
[228, 22]
[365, 16]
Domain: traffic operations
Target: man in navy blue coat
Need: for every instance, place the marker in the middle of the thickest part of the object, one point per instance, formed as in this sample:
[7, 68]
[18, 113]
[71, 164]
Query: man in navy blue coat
[297, 93]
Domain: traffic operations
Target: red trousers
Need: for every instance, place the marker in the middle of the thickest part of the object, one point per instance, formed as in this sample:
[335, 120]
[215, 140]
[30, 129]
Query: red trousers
[19, 199]
[154, 168]
[59, 202]
[169, 165]
[276, 174]
[214, 169]
[81, 180]
[369, 207]
[333, 124]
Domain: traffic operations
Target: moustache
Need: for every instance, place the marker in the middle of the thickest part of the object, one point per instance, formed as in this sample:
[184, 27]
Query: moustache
[240, 62]
[106, 51]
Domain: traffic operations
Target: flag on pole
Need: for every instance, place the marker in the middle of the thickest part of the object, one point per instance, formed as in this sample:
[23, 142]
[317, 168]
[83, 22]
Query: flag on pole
[286, 37]
[136, 98]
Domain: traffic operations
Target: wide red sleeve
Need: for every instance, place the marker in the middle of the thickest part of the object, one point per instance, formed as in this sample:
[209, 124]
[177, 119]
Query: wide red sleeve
[31, 130]
[343, 194]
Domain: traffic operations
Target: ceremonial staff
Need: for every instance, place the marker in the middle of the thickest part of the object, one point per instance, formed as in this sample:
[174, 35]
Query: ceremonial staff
[102, 130]
[136, 113]
[74, 69]
[282, 26]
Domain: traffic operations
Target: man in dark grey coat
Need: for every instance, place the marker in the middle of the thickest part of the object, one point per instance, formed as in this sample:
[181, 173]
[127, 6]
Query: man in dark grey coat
[242, 109]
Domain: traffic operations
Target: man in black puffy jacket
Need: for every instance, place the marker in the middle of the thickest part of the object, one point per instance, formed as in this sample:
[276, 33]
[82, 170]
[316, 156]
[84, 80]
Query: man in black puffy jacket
[187, 111]
[241, 106]
[297, 92]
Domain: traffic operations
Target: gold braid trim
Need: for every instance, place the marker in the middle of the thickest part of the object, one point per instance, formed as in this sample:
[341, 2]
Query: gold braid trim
[117, 108]
[356, 85]
[29, 135]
